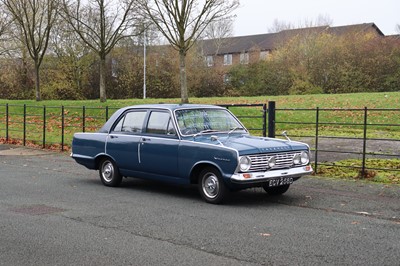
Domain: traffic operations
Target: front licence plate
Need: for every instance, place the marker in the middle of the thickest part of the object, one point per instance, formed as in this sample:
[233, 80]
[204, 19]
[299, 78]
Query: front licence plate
[276, 182]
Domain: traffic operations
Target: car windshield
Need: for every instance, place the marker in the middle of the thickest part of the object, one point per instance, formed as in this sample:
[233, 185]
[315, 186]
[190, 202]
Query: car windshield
[197, 121]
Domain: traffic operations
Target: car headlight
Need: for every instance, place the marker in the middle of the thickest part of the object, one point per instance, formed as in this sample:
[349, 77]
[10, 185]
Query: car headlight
[305, 158]
[271, 162]
[297, 158]
[244, 163]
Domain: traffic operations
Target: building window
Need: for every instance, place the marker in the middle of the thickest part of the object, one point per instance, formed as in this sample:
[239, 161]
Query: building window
[244, 58]
[227, 59]
[264, 55]
[210, 60]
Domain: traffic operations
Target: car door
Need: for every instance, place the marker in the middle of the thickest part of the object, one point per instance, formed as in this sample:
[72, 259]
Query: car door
[123, 141]
[159, 145]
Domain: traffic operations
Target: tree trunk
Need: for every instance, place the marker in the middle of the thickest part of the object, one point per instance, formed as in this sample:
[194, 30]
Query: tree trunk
[25, 80]
[37, 82]
[183, 79]
[103, 97]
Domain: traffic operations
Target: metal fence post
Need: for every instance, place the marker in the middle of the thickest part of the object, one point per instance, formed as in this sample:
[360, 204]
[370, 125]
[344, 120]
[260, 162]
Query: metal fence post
[264, 120]
[44, 126]
[83, 118]
[62, 128]
[106, 113]
[316, 140]
[7, 118]
[271, 119]
[363, 174]
[24, 127]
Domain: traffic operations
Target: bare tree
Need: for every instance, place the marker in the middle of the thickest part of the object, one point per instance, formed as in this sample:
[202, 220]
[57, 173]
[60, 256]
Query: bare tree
[101, 24]
[218, 31]
[321, 20]
[71, 52]
[278, 25]
[5, 21]
[35, 19]
[398, 28]
[183, 21]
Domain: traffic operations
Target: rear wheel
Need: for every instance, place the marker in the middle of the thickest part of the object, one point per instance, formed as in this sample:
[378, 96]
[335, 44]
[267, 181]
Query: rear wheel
[276, 190]
[211, 186]
[109, 173]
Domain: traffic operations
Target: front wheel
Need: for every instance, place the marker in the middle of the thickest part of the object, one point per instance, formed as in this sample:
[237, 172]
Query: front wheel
[211, 186]
[276, 190]
[109, 173]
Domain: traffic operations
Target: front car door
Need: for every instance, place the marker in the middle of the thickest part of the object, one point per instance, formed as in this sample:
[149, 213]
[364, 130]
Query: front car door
[159, 146]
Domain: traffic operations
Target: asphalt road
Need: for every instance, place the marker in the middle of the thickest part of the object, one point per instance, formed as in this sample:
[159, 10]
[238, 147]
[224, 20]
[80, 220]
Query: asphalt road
[55, 212]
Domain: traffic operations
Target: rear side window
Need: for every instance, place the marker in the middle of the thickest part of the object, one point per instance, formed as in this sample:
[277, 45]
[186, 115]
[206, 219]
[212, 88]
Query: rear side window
[131, 122]
[160, 123]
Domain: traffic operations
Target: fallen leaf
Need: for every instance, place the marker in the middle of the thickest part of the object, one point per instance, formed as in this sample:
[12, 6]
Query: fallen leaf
[265, 234]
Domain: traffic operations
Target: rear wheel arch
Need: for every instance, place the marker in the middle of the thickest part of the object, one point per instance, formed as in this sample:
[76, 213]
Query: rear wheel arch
[100, 158]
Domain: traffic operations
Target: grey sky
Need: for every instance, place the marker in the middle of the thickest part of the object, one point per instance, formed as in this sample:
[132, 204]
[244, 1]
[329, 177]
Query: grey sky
[256, 16]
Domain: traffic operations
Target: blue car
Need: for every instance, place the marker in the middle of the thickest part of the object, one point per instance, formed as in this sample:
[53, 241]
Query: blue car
[190, 144]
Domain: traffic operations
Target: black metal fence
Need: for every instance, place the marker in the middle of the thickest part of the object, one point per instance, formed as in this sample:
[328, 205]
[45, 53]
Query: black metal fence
[53, 127]
[331, 140]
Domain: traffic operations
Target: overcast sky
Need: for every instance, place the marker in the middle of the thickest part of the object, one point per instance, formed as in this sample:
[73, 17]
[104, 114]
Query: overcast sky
[256, 16]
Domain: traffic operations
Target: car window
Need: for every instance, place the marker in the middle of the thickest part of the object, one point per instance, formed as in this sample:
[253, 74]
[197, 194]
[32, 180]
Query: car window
[192, 121]
[160, 123]
[131, 122]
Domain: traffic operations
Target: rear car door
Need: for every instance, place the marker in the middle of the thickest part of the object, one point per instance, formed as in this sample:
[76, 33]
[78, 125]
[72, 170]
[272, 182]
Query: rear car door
[123, 141]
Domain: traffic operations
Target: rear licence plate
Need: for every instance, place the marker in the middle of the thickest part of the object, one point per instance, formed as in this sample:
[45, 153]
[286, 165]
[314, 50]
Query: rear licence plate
[276, 182]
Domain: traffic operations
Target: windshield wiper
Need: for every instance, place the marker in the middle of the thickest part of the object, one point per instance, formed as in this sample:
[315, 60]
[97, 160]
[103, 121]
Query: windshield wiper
[208, 131]
[204, 132]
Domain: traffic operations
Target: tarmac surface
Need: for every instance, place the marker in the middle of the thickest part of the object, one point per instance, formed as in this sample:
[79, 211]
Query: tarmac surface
[55, 212]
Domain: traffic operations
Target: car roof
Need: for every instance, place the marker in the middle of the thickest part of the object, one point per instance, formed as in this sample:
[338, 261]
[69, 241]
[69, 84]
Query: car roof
[171, 107]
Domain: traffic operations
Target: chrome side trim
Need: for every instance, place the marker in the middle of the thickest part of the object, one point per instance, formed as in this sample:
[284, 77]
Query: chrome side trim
[138, 150]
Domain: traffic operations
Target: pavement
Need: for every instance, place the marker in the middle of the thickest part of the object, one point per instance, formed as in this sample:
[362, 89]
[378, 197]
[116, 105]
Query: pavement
[55, 212]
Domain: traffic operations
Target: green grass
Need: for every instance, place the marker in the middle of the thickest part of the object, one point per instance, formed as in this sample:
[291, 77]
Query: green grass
[354, 100]
[342, 169]
[297, 123]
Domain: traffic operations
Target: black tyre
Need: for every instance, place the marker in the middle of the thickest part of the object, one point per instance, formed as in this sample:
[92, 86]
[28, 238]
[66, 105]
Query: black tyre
[211, 186]
[109, 173]
[276, 190]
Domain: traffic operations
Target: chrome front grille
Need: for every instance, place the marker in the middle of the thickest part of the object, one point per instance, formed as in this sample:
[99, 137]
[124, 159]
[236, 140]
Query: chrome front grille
[259, 162]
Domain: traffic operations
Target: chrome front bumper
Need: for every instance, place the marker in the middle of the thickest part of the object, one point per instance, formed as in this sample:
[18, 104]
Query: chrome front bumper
[265, 176]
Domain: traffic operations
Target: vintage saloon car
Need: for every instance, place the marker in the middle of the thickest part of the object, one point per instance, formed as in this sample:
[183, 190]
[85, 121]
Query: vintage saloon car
[190, 144]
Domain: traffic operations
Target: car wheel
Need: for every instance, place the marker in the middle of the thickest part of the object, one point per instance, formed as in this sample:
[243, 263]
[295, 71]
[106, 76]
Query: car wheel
[211, 186]
[276, 190]
[109, 173]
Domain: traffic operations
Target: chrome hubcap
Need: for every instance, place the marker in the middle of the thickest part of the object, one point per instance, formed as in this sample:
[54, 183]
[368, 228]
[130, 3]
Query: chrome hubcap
[210, 185]
[108, 171]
